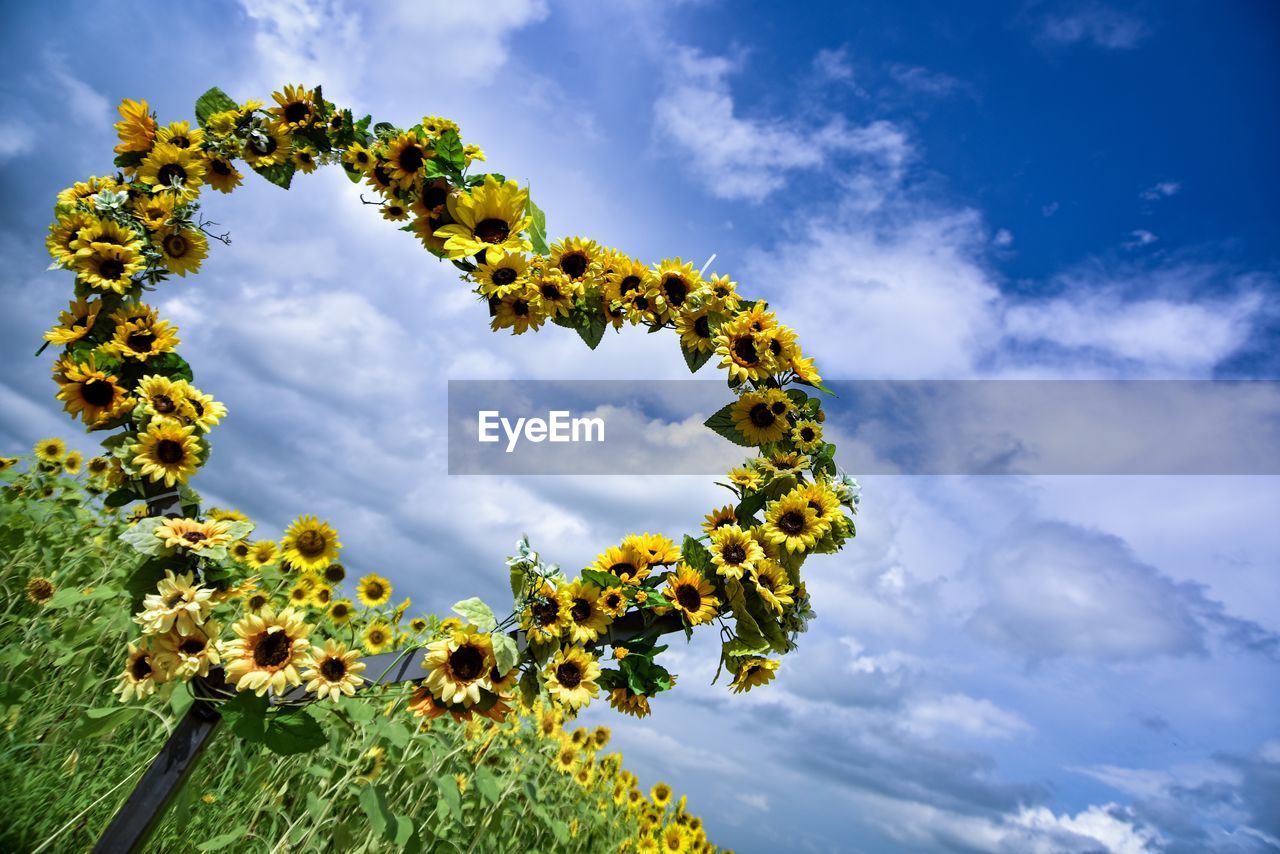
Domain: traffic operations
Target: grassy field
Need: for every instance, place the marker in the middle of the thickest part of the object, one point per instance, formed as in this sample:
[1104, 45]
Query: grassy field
[385, 781]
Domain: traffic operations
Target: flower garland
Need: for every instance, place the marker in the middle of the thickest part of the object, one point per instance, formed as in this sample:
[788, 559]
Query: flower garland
[120, 371]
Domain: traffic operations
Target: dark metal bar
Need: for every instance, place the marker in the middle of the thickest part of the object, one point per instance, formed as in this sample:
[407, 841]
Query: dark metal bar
[141, 813]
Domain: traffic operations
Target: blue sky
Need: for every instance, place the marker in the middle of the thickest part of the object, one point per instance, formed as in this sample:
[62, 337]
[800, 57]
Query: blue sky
[925, 191]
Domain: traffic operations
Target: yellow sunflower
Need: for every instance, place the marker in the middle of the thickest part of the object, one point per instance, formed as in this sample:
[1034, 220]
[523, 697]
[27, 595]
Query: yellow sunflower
[506, 274]
[205, 412]
[744, 353]
[761, 417]
[263, 553]
[181, 134]
[628, 564]
[574, 256]
[586, 618]
[267, 146]
[267, 651]
[406, 157]
[733, 551]
[723, 297]
[108, 267]
[183, 249]
[71, 462]
[90, 394]
[458, 666]
[676, 280]
[358, 158]
[155, 211]
[64, 236]
[141, 336]
[334, 573]
[692, 595]
[50, 450]
[39, 590]
[373, 590]
[193, 535]
[167, 452]
[163, 396]
[656, 548]
[137, 127]
[394, 210]
[487, 220]
[310, 544]
[430, 198]
[752, 673]
[141, 674]
[773, 585]
[179, 604]
[222, 174]
[571, 677]
[168, 168]
[556, 292]
[295, 108]
[340, 611]
[719, 518]
[333, 672]
[696, 330]
[546, 616]
[660, 794]
[636, 705]
[612, 601]
[187, 656]
[791, 522]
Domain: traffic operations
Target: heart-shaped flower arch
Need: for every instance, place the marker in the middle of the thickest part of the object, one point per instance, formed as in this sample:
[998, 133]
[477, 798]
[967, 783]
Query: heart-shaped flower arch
[120, 371]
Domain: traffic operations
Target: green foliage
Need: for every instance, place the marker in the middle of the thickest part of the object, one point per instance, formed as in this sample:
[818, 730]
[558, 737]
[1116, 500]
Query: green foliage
[538, 229]
[213, 101]
[722, 423]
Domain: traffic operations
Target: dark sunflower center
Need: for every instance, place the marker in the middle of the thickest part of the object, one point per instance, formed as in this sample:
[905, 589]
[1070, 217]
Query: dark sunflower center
[569, 674]
[702, 327]
[623, 569]
[575, 265]
[581, 610]
[467, 663]
[734, 554]
[163, 404]
[297, 111]
[311, 543]
[520, 308]
[111, 268]
[492, 230]
[745, 349]
[180, 141]
[272, 649]
[170, 452]
[434, 196]
[171, 173]
[411, 159]
[175, 245]
[613, 600]
[504, 276]
[221, 167]
[689, 597]
[140, 341]
[767, 582]
[97, 392]
[373, 591]
[550, 292]
[676, 290]
[817, 508]
[141, 668]
[641, 302]
[333, 669]
[192, 646]
[380, 175]
[761, 416]
[194, 537]
[546, 612]
[807, 434]
[377, 637]
[775, 347]
[339, 612]
[791, 522]
[629, 284]
[779, 408]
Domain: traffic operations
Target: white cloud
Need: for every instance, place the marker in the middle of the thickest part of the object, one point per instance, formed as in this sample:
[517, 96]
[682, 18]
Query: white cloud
[1160, 190]
[922, 81]
[961, 714]
[87, 105]
[16, 138]
[742, 157]
[1140, 237]
[833, 64]
[1111, 826]
[1096, 24]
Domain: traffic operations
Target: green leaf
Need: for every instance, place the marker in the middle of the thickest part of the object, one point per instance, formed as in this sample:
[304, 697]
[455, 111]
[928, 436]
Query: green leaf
[537, 229]
[448, 147]
[102, 720]
[246, 714]
[603, 580]
[144, 579]
[505, 652]
[63, 598]
[293, 732]
[696, 555]
[749, 636]
[221, 841]
[170, 365]
[750, 506]
[818, 385]
[722, 423]
[448, 787]
[593, 332]
[213, 101]
[281, 174]
[477, 613]
[129, 159]
[695, 359]
[487, 784]
[122, 496]
[142, 536]
[374, 804]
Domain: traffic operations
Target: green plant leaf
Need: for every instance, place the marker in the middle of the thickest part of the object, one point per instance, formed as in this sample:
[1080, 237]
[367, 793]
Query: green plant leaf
[603, 580]
[487, 784]
[698, 556]
[246, 714]
[537, 229]
[505, 652]
[129, 159]
[448, 787]
[222, 840]
[281, 174]
[695, 359]
[142, 536]
[293, 732]
[477, 613]
[722, 423]
[374, 804]
[213, 101]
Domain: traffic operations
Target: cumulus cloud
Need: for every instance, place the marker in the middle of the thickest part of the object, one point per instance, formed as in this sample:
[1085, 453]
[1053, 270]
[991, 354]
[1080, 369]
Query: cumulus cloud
[1096, 24]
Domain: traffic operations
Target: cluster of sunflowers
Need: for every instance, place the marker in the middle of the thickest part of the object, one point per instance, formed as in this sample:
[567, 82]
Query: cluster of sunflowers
[122, 235]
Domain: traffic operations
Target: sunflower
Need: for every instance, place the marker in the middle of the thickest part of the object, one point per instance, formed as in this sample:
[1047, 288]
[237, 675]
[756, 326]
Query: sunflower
[628, 564]
[193, 535]
[556, 292]
[782, 463]
[674, 839]
[167, 452]
[108, 267]
[90, 394]
[295, 108]
[743, 352]
[99, 466]
[733, 551]
[612, 601]
[719, 518]
[310, 544]
[755, 417]
[64, 235]
[692, 595]
[333, 672]
[394, 210]
[154, 211]
[824, 502]
[566, 758]
[791, 522]
[106, 231]
[745, 478]
[357, 158]
[137, 128]
[371, 764]
[373, 590]
[304, 159]
[379, 177]
[418, 625]
[406, 157]
[546, 615]
[39, 590]
[642, 305]
[183, 249]
[300, 593]
[506, 274]
[519, 310]
[179, 604]
[262, 553]
[222, 174]
[752, 673]
[335, 573]
[162, 396]
[430, 198]
[772, 584]
[168, 168]
[321, 596]
[50, 450]
[141, 335]
[723, 295]
[71, 462]
[181, 134]
[267, 146]
[487, 220]
[86, 191]
[340, 611]
[240, 550]
[660, 794]
[676, 280]
[267, 652]
[574, 256]
[571, 677]
[141, 674]
[437, 125]
[186, 656]
[696, 330]
[458, 666]
[586, 618]
[656, 548]
[205, 411]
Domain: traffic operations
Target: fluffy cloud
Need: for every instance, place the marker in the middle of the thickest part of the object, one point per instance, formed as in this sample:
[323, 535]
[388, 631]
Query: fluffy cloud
[1096, 24]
